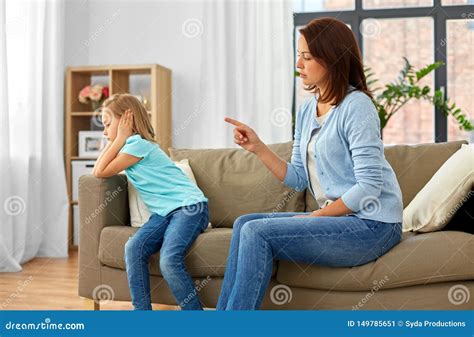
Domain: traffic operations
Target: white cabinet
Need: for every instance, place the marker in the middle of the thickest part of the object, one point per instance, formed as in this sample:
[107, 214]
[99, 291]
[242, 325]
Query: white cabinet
[79, 168]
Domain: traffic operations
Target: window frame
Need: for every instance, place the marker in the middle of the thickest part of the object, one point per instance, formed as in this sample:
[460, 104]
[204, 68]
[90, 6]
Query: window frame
[440, 14]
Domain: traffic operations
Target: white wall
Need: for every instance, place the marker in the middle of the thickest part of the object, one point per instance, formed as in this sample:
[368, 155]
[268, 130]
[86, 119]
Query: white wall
[76, 32]
[136, 32]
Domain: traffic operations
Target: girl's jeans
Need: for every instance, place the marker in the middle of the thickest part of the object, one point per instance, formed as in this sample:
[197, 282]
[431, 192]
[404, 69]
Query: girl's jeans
[258, 239]
[172, 236]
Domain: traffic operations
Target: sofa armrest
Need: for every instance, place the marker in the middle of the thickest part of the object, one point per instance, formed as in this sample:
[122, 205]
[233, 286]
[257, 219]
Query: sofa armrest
[102, 203]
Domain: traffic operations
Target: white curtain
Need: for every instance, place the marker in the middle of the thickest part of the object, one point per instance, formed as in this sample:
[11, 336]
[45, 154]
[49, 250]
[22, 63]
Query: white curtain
[33, 196]
[247, 70]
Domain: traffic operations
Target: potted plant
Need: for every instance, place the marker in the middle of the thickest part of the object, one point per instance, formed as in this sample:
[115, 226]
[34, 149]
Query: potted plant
[405, 88]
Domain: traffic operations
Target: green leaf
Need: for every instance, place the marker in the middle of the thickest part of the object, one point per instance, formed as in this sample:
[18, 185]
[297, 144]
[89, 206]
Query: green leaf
[428, 69]
[393, 96]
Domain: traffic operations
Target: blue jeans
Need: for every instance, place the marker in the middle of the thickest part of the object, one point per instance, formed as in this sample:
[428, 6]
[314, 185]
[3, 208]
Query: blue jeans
[172, 235]
[258, 239]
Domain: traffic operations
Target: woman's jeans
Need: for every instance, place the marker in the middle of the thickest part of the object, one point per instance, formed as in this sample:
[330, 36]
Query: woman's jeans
[258, 239]
[172, 235]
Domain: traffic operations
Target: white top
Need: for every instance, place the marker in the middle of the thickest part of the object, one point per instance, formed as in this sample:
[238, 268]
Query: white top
[321, 198]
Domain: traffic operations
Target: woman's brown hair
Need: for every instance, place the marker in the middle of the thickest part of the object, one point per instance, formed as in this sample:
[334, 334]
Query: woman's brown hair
[333, 45]
[119, 103]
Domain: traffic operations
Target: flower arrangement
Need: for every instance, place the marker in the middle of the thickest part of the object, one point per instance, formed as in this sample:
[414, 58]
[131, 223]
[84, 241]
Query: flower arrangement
[94, 94]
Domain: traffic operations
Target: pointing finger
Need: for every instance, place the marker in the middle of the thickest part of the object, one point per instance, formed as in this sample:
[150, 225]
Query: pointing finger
[234, 122]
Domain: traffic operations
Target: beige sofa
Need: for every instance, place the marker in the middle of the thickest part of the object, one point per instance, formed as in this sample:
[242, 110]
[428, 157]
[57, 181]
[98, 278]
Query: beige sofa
[424, 271]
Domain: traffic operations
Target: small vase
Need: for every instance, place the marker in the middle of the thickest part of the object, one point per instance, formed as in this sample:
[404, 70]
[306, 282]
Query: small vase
[95, 105]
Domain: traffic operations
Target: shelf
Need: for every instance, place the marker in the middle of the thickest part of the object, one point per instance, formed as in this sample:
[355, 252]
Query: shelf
[92, 114]
[134, 81]
[78, 79]
[82, 158]
[74, 202]
[83, 114]
[90, 71]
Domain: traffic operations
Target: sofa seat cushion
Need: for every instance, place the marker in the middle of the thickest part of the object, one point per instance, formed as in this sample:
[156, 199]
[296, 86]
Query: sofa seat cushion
[237, 183]
[417, 259]
[206, 257]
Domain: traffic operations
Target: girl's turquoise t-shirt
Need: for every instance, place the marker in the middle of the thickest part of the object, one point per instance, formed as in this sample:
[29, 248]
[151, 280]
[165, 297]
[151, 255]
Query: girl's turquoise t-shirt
[161, 184]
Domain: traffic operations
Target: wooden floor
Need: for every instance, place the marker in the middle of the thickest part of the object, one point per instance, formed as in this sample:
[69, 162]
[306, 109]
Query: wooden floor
[50, 284]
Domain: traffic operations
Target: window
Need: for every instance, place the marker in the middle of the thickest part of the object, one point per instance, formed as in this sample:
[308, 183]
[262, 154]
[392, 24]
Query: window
[323, 5]
[424, 31]
[378, 4]
[456, 2]
[386, 42]
[460, 43]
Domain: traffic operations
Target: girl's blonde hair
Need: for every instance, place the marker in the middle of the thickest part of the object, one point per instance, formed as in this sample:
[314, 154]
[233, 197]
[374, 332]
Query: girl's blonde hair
[119, 103]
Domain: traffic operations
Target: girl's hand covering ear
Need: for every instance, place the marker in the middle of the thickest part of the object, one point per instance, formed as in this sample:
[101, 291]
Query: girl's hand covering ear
[125, 127]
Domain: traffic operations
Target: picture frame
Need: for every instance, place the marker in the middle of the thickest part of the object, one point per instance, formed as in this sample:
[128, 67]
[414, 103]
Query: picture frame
[91, 143]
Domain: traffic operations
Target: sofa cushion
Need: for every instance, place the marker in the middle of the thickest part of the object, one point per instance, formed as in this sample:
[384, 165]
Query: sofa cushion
[206, 257]
[433, 207]
[414, 165]
[237, 183]
[417, 259]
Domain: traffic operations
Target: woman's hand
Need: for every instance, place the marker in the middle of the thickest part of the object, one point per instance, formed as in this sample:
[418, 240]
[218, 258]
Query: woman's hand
[125, 127]
[245, 136]
[311, 215]
[248, 140]
[336, 208]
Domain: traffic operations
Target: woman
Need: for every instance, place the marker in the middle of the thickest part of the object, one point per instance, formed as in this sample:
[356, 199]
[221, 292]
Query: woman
[338, 154]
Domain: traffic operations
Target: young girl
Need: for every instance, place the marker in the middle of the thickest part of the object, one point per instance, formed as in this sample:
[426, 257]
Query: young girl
[179, 210]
